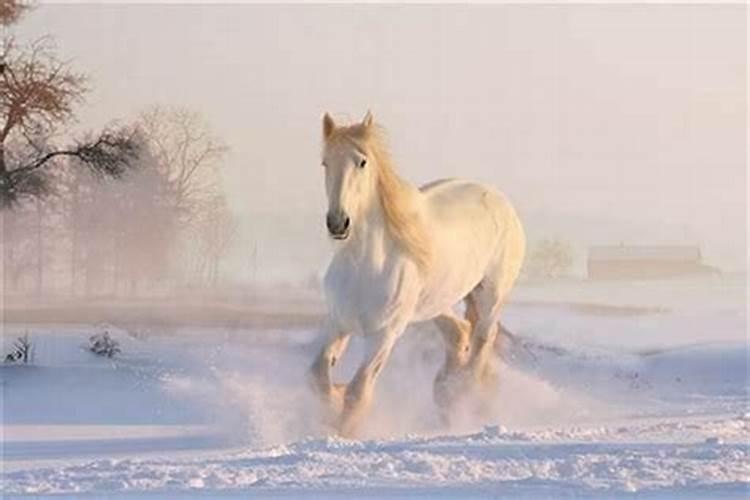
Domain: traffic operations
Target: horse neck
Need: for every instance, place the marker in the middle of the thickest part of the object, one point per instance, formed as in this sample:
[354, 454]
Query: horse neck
[371, 238]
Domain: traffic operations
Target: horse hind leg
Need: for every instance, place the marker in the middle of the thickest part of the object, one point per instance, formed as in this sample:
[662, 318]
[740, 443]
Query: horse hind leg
[487, 299]
[471, 314]
[456, 333]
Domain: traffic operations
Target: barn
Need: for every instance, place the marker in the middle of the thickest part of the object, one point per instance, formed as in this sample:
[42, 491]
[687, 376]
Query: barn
[644, 262]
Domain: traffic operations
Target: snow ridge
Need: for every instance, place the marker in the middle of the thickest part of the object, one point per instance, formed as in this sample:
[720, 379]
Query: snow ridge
[588, 460]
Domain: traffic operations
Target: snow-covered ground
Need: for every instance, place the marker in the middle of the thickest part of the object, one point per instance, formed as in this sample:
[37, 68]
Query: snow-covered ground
[609, 390]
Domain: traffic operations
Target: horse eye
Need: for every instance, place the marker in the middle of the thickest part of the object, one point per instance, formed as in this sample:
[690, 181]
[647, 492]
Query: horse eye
[362, 163]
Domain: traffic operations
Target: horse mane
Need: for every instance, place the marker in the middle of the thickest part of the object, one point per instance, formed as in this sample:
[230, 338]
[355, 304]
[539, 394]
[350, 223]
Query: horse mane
[402, 221]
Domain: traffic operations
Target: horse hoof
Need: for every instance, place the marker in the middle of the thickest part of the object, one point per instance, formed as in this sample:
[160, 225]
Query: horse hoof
[331, 407]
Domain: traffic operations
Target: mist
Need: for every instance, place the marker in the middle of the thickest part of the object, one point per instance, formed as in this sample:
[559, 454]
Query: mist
[603, 124]
[163, 321]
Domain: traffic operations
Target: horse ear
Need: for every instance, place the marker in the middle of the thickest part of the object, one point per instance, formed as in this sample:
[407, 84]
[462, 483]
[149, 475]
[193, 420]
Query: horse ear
[328, 126]
[367, 120]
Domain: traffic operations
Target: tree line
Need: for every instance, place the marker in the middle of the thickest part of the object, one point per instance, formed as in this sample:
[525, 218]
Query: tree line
[112, 211]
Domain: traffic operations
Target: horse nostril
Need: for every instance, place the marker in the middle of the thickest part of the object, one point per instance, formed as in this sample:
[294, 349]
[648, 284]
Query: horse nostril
[337, 223]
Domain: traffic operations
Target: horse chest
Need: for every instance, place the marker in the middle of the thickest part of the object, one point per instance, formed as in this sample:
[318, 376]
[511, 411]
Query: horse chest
[362, 297]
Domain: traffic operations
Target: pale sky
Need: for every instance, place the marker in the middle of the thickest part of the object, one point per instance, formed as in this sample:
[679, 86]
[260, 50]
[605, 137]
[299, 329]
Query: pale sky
[603, 123]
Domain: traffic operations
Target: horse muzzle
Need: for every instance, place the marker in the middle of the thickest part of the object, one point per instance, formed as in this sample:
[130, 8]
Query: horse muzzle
[338, 224]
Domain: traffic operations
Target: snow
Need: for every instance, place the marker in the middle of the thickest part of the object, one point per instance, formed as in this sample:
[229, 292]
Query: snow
[609, 390]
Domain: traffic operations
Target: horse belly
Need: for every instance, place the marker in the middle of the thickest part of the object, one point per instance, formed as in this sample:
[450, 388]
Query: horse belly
[459, 266]
[465, 233]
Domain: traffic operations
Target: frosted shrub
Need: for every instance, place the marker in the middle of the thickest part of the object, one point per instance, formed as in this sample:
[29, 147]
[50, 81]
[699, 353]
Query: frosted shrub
[104, 345]
[22, 351]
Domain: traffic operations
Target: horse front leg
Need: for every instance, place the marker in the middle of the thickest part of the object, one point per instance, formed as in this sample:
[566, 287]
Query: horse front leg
[331, 394]
[359, 392]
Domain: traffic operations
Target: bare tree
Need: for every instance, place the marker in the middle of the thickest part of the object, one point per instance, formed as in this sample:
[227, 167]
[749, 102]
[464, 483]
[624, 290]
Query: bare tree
[11, 11]
[17, 248]
[146, 224]
[216, 231]
[38, 94]
[120, 233]
[188, 154]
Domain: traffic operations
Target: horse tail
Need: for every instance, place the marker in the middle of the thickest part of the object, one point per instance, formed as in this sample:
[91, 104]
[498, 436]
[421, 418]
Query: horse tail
[509, 346]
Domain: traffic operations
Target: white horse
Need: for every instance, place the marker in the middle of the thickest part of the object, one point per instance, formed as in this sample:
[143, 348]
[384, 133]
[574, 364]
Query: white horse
[405, 255]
